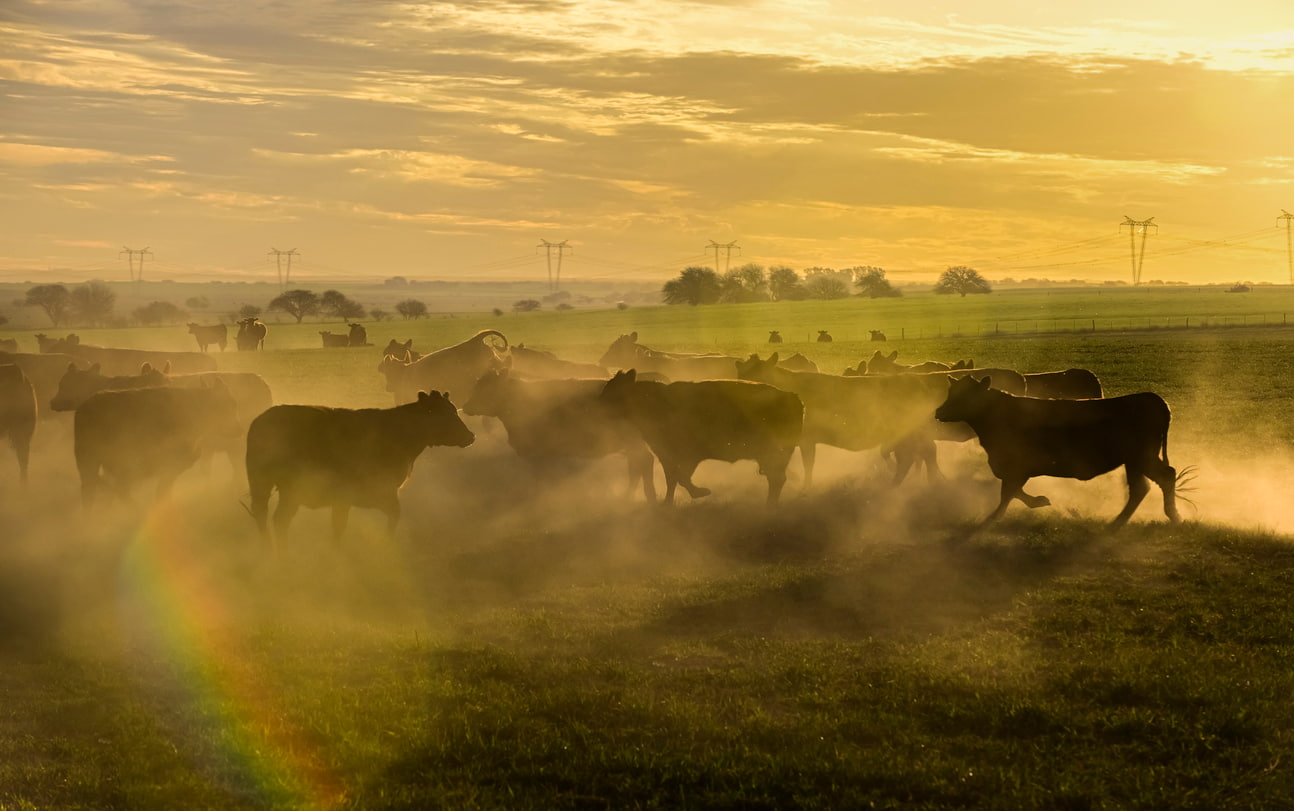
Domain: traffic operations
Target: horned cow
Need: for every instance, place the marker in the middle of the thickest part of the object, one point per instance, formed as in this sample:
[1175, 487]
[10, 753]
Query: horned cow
[626, 353]
[1075, 439]
[17, 413]
[453, 370]
[343, 458]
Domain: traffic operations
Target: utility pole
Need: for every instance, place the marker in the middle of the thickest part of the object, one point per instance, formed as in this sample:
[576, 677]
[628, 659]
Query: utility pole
[1289, 245]
[727, 249]
[1138, 227]
[278, 255]
[561, 248]
[130, 261]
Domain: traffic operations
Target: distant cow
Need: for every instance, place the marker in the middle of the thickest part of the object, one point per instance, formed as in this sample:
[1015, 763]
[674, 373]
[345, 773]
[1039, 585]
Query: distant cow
[358, 336]
[217, 334]
[544, 364]
[774, 337]
[123, 437]
[555, 420]
[824, 337]
[342, 458]
[453, 370]
[1074, 439]
[331, 339]
[400, 350]
[688, 422]
[8, 344]
[626, 353]
[251, 335]
[1070, 384]
[17, 413]
[877, 335]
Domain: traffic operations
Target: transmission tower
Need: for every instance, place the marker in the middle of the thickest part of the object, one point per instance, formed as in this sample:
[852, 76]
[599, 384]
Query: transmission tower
[1289, 245]
[727, 248]
[1138, 255]
[561, 248]
[284, 280]
[130, 255]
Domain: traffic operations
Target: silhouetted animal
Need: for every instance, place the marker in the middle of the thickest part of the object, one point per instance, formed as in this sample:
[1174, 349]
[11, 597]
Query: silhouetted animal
[877, 335]
[626, 353]
[17, 413]
[1076, 439]
[8, 344]
[824, 337]
[78, 385]
[798, 363]
[358, 336]
[251, 335]
[117, 361]
[400, 350]
[44, 372]
[774, 337]
[544, 364]
[687, 422]
[334, 339]
[122, 437]
[217, 334]
[342, 458]
[557, 420]
[880, 364]
[1071, 384]
[453, 370]
[46, 344]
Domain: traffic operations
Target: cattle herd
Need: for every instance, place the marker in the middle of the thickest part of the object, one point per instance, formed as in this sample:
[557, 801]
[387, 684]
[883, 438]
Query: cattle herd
[148, 416]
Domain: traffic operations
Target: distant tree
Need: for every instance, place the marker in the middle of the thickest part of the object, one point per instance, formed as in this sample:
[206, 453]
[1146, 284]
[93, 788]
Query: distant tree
[197, 303]
[396, 281]
[248, 311]
[411, 308]
[565, 305]
[825, 286]
[158, 312]
[497, 311]
[695, 285]
[525, 305]
[378, 315]
[962, 280]
[871, 282]
[339, 305]
[52, 298]
[92, 302]
[560, 295]
[297, 303]
[744, 284]
[784, 284]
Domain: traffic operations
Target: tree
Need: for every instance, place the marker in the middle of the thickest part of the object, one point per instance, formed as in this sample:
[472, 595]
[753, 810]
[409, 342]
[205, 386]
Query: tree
[744, 284]
[52, 298]
[378, 315]
[825, 286]
[784, 284]
[962, 280]
[197, 303]
[411, 308]
[157, 312]
[297, 303]
[339, 305]
[695, 285]
[871, 282]
[92, 302]
[526, 305]
[248, 311]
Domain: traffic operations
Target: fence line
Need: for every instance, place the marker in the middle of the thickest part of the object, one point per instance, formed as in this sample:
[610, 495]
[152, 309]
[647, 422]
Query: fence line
[1051, 326]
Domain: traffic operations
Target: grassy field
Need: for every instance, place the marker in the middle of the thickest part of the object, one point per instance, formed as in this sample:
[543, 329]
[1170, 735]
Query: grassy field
[538, 643]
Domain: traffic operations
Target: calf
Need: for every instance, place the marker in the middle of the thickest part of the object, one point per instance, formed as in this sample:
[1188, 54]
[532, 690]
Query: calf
[17, 413]
[687, 422]
[1074, 439]
[342, 458]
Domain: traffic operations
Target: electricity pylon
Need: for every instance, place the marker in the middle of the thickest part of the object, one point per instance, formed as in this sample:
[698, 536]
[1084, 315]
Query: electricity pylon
[278, 255]
[1138, 256]
[561, 248]
[130, 261]
[1289, 245]
[727, 248]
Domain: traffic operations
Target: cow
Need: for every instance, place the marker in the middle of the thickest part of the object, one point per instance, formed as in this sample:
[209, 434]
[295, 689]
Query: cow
[880, 364]
[358, 336]
[118, 361]
[17, 413]
[44, 371]
[206, 335]
[544, 364]
[798, 363]
[399, 350]
[78, 385]
[824, 337]
[774, 337]
[626, 353]
[1070, 384]
[251, 335]
[331, 339]
[858, 413]
[687, 422]
[8, 344]
[554, 420]
[453, 370]
[877, 335]
[46, 344]
[122, 437]
[316, 456]
[1074, 439]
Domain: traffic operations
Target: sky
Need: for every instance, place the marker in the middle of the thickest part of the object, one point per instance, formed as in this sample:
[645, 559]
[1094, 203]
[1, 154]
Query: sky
[456, 140]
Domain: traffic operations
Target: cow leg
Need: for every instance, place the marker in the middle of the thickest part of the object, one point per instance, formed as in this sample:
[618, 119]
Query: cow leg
[1011, 488]
[340, 517]
[1137, 489]
[685, 471]
[808, 456]
[775, 472]
[22, 449]
[283, 512]
[1166, 478]
[1033, 502]
[643, 465]
[260, 488]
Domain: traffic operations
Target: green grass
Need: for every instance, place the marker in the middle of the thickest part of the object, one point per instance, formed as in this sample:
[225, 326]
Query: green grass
[849, 649]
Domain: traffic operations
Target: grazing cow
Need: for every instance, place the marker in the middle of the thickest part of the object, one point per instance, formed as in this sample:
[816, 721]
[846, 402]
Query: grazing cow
[858, 413]
[342, 458]
[688, 422]
[251, 335]
[453, 370]
[205, 335]
[824, 337]
[358, 336]
[555, 420]
[399, 350]
[877, 335]
[1073, 439]
[331, 339]
[774, 337]
[122, 437]
[1071, 384]
[540, 363]
[8, 344]
[17, 413]
[626, 353]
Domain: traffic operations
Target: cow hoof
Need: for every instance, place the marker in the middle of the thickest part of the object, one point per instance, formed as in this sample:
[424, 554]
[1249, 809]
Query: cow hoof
[698, 492]
[1037, 501]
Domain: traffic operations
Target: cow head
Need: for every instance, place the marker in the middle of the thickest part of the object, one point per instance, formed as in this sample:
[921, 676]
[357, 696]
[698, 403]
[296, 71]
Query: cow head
[489, 395]
[440, 423]
[968, 397]
[752, 368]
[622, 352]
[76, 386]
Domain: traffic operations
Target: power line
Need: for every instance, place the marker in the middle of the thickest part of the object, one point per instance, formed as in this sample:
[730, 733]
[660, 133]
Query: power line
[1138, 257]
[278, 262]
[1289, 246]
[727, 249]
[561, 248]
[130, 261]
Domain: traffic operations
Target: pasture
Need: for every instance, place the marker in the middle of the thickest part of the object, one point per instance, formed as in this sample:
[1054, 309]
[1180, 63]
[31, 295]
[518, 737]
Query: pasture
[541, 642]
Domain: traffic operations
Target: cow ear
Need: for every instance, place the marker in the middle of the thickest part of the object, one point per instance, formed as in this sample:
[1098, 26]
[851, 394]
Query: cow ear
[894, 355]
[166, 370]
[423, 396]
[984, 382]
[94, 369]
[773, 358]
[633, 336]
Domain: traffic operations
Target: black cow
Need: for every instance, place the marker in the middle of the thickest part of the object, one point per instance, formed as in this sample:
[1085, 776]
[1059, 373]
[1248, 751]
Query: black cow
[358, 336]
[17, 413]
[1074, 439]
[251, 335]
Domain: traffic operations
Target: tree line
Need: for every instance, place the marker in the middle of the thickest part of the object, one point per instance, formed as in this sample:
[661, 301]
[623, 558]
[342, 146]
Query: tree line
[752, 282]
